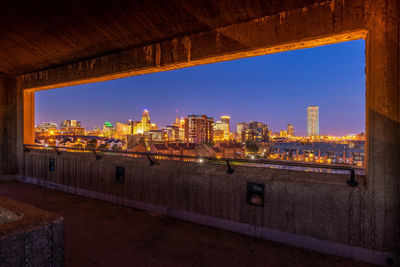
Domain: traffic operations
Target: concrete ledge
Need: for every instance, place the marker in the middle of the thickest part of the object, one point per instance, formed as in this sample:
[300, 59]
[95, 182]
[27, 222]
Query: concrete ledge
[34, 239]
[328, 247]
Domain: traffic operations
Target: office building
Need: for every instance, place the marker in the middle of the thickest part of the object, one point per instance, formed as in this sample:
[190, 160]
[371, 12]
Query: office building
[199, 129]
[312, 121]
[122, 129]
[222, 128]
[239, 129]
[48, 126]
[71, 127]
[144, 125]
[255, 132]
[290, 130]
[70, 123]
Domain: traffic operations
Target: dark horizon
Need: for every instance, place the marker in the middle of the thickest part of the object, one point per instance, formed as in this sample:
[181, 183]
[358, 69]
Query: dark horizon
[274, 89]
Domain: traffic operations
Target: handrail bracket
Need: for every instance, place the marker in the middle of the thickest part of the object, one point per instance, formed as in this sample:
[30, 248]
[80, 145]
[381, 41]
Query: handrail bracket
[151, 161]
[352, 182]
[230, 170]
[57, 151]
[97, 155]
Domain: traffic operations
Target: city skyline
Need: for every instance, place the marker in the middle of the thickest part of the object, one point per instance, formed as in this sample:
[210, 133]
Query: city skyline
[312, 124]
[240, 89]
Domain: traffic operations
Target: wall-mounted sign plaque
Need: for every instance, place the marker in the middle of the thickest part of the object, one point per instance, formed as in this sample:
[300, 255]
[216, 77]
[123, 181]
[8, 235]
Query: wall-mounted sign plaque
[255, 194]
[119, 174]
[52, 164]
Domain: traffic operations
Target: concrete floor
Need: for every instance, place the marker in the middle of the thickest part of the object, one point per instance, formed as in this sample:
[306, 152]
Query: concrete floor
[104, 234]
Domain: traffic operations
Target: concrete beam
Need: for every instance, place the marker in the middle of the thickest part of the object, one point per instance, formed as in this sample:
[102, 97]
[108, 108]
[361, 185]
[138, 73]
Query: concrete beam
[313, 25]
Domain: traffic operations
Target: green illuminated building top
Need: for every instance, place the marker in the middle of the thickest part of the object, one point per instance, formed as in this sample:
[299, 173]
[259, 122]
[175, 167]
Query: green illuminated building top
[108, 124]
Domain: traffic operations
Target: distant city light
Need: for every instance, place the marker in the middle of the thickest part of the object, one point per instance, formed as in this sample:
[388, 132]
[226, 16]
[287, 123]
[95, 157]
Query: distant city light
[201, 136]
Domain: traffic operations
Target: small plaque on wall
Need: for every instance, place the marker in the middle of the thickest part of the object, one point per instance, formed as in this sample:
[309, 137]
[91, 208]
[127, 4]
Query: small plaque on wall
[119, 175]
[52, 164]
[255, 194]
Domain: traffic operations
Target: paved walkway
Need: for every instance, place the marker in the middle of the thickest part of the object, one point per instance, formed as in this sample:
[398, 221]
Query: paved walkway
[98, 233]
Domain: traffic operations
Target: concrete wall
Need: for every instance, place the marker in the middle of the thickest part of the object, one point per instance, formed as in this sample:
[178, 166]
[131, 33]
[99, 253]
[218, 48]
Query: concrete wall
[36, 239]
[307, 204]
[383, 122]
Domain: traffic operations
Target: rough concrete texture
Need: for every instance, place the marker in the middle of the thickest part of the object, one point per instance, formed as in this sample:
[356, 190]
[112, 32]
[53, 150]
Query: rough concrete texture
[318, 205]
[312, 24]
[103, 234]
[10, 123]
[36, 239]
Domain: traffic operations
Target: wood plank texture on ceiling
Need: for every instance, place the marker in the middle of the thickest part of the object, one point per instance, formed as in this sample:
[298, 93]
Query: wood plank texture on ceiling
[35, 35]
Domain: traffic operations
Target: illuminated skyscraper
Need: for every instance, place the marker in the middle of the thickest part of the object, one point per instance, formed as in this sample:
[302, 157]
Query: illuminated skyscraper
[222, 127]
[199, 129]
[239, 129]
[145, 121]
[255, 132]
[108, 129]
[144, 125]
[48, 126]
[70, 123]
[290, 130]
[226, 120]
[312, 120]
[176, 132]
[71, 127]
[121, 129]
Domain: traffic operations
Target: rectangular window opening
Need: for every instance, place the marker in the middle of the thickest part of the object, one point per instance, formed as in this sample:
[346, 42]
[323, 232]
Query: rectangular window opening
[299, 109]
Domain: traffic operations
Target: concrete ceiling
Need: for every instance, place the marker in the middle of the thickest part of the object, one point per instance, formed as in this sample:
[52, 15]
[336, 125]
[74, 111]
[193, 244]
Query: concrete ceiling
[35, 35]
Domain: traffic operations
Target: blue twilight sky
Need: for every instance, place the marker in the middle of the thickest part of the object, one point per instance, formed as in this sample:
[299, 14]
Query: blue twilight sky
[274, 89]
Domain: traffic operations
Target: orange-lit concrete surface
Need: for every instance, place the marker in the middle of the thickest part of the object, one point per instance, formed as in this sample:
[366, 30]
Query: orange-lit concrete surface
[104, 234]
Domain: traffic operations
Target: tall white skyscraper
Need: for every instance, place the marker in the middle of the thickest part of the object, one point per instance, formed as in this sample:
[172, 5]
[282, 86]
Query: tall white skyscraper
[312, 120]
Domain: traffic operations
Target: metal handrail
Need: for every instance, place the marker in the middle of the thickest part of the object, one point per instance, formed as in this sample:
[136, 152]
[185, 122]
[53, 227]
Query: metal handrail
[351, 182]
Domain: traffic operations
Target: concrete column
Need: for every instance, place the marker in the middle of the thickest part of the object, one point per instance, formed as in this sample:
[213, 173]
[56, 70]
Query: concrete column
[383, 124]
[29, 117]
[10, 124]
